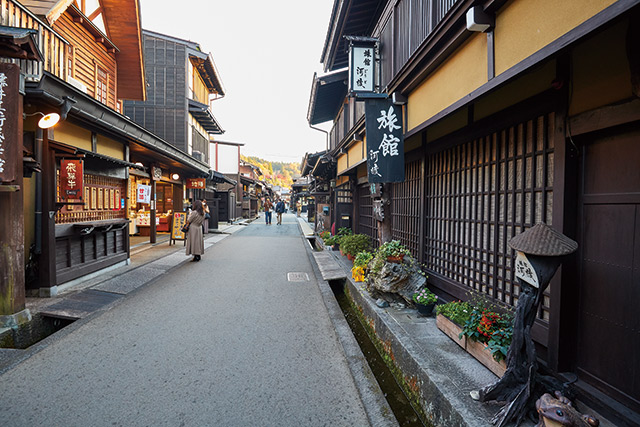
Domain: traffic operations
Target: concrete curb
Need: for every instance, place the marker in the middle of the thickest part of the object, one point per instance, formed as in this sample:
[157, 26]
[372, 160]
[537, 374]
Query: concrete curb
[376, 406]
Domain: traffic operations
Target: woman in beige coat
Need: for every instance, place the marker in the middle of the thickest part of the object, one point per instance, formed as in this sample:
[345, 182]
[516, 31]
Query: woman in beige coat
[195, 239]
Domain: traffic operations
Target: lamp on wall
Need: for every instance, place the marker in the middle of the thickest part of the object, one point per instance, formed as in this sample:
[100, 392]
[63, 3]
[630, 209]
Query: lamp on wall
[47, 121]
[175, 176]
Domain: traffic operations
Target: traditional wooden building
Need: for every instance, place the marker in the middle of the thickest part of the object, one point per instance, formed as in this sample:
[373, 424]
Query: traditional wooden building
[529, 114]
[79, 198]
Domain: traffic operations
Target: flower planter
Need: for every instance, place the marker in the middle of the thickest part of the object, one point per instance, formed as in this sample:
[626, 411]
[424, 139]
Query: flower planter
[425, 310]
[395, 259]
[350, 257]
[474, 348]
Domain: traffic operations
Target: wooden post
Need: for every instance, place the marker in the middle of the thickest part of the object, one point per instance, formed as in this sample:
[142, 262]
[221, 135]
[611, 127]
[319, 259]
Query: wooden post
[12, 289]
[384, 226]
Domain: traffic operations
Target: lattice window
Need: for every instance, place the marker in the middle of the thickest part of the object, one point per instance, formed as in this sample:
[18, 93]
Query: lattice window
[482, 193]
[102, 85]
[343, 193]
[405, 208]
[366, 222]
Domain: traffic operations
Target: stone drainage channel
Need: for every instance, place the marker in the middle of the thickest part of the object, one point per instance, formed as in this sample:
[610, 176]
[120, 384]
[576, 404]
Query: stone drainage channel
[398, 401]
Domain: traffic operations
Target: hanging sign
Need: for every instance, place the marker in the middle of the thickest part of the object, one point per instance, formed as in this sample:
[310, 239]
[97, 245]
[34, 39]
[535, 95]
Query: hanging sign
[10, 138]
[385, 141]
[196, 183]
[71, 183]
[143, 195]
[362, 63]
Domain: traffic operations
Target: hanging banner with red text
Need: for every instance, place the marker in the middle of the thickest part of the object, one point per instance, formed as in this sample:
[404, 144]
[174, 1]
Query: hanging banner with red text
[143, 195]
[71, 183]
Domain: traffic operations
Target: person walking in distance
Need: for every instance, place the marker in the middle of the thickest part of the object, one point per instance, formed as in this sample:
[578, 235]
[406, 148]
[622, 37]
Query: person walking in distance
[195, 237]
[267, 210]
[279, 211]
[298, 207]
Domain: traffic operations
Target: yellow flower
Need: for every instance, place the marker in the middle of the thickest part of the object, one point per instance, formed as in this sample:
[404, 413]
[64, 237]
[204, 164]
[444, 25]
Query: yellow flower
[358, 274]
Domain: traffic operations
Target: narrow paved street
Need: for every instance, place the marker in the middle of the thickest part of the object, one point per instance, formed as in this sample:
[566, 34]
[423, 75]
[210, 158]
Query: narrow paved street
[228, 341]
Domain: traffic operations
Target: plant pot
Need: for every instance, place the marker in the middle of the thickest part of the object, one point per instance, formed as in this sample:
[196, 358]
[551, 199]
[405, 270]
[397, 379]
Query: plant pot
[395, 259]
[350, 257]
[425, 310]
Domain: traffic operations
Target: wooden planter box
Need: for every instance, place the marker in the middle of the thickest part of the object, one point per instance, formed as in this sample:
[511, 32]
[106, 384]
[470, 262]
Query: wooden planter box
[474, 348]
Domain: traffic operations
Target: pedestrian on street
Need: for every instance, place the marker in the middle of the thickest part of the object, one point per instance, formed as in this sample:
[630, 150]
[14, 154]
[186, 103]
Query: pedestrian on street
[279, 211]
[298, 207]
[195, 237]
[207, 216]
[267, 210]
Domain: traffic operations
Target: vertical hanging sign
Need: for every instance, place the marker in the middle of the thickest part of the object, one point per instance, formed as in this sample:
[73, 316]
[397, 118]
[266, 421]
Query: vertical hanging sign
[10, 140]
[385, 141]
[71, 183]
[362, 64]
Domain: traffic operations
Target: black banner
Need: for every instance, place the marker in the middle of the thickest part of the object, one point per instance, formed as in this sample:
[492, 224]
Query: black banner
[385, 143]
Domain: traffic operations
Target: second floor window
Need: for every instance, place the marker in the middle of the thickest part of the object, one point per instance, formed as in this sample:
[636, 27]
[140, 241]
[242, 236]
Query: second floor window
[102, 84]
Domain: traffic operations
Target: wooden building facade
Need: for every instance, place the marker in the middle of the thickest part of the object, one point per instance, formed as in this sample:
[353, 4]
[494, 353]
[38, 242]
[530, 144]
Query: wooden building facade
[536, 119]
[91, 61]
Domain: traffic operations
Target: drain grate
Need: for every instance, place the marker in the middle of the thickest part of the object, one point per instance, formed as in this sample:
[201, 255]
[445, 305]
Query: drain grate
[297, 277]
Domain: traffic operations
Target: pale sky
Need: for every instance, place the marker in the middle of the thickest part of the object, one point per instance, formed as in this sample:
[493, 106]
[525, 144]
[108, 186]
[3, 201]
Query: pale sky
[266, 53]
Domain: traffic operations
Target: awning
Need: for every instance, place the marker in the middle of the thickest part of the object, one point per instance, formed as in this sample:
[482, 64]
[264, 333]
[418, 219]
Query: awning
[60, 146]
[219, 178]
[203, 115]
[19, 43]
[327, 96]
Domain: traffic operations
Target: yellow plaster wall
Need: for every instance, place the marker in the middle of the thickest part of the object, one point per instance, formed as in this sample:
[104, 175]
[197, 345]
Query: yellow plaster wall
[462, 73]
[601, 73]
[72, 135]
[109, 147]
[523, 26]
[343, 164]
[356, 153]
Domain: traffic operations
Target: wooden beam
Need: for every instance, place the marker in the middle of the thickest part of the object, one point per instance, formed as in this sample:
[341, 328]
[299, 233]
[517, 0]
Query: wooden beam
[95, 13]
[604, 117]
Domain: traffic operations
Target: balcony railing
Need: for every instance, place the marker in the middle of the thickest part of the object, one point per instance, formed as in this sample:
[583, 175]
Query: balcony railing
[51, 45]
[347, 118]
[410, 24]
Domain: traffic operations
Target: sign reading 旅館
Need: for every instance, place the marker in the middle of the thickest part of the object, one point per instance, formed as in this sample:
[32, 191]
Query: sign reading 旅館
[385, 141]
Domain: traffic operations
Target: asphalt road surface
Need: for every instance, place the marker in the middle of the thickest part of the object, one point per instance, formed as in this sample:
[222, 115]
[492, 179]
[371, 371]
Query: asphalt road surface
[227, 341]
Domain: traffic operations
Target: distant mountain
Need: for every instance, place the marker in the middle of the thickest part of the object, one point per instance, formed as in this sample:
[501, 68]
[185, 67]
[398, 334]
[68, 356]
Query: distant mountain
[275, 173]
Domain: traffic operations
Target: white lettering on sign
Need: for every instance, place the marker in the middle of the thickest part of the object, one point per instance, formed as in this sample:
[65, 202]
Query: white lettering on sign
[525, 271]
[71, 175]
[3, 84]
[373, 155]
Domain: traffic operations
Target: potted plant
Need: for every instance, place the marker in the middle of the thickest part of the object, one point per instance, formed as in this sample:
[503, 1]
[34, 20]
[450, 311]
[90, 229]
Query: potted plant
[425, 301]
[353, 244]
[394, 251]
[360, 265]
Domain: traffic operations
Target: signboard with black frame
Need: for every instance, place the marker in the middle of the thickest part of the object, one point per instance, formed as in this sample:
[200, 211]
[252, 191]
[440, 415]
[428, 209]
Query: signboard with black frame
[385, 141]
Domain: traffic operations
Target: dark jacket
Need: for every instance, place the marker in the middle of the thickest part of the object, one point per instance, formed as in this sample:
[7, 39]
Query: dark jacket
[280, 207]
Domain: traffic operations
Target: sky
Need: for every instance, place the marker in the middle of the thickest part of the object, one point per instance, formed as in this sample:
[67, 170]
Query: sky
[266, 53]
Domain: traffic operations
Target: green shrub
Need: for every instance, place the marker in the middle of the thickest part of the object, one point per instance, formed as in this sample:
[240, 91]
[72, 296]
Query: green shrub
[362, 259]
[393, 249]
[354, 244]
[456, 311]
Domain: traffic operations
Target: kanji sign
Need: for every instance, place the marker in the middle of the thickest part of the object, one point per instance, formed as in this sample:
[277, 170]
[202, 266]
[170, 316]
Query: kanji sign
[196, 183]
[10, 138]
[143, 195]
[362, 64]
[525, 271]
[71, 183]
[385, 142]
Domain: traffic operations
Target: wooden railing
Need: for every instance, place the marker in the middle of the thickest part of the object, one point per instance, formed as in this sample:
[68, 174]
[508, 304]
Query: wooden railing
[411, 23]
[52, 47]
[347, 118]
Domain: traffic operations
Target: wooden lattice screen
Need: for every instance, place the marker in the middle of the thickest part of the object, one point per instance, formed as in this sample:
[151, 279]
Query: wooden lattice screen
[405, 208]
[366, 223]
[478, 196]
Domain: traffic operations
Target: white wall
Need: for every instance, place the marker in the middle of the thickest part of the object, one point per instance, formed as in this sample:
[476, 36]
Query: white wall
[228, 161]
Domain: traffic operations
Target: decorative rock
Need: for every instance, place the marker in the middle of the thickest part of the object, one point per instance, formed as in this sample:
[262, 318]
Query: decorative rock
[382, 303]
[397, 282]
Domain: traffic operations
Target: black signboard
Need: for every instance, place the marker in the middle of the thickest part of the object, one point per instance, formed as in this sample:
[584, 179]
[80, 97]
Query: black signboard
[10, 137]
[385, 144]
